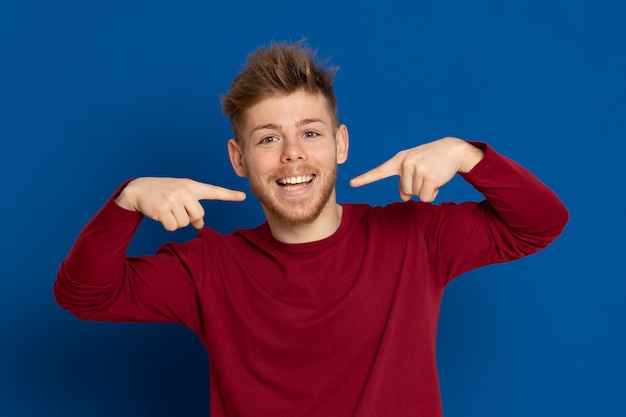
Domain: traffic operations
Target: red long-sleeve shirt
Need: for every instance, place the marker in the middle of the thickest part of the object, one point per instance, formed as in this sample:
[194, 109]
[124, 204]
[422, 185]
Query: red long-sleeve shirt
[345, 326]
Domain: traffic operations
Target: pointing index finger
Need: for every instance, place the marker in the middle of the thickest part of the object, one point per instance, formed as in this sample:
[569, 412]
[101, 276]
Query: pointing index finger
[213, 192]
[383, 171]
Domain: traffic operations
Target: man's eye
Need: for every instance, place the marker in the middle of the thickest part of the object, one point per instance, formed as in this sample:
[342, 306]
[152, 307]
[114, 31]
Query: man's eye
[310, 134]
[268, 139]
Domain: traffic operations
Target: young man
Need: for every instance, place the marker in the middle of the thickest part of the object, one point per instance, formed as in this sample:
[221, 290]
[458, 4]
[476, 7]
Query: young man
[325, 309]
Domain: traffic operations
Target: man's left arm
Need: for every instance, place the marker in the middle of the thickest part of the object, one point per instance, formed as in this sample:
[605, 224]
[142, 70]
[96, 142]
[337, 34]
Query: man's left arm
[528, 215]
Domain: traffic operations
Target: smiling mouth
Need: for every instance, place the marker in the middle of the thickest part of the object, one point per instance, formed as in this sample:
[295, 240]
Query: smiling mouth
[295, 183]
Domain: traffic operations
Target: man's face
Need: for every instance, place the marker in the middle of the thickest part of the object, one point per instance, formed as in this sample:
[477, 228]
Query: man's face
[289, 151]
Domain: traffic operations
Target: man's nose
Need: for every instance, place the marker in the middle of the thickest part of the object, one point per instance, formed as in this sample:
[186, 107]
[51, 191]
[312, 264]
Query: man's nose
[292, 150]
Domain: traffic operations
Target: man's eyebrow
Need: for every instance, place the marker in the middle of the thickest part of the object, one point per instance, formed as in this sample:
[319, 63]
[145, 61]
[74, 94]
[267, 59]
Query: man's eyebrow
[267, 126]
[304, 122]
[300, 123]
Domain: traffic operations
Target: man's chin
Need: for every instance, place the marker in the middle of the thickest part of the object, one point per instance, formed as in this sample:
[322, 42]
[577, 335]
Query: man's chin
[293, 217]
[293, 211]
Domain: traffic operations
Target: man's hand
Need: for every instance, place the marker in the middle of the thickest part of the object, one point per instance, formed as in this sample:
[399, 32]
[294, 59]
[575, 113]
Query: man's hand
[175, 202]
[425, 168]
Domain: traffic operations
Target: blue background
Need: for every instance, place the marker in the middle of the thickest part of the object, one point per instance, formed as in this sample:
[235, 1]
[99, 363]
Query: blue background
[95, 92]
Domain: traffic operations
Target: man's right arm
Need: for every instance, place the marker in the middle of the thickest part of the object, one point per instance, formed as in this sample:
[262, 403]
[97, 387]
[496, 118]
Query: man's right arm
[97, 281]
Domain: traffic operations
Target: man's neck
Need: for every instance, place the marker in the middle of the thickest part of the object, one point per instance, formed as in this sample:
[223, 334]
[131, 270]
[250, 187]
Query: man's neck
[325, 225]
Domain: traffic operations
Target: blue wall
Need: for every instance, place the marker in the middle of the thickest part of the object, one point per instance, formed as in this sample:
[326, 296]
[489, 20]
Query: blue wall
[92, 93]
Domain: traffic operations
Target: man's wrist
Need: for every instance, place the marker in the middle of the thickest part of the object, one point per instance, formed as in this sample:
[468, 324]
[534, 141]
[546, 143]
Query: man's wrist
[471, 156]
[122, 200]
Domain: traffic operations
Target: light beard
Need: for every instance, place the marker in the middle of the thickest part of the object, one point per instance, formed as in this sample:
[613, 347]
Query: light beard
[296, 212]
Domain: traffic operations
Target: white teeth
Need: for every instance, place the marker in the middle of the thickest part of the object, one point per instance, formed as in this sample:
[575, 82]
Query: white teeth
[295, 180]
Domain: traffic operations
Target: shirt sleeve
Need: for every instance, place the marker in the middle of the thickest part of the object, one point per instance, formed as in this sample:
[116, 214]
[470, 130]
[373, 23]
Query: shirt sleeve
[519, 216]
[98, 282]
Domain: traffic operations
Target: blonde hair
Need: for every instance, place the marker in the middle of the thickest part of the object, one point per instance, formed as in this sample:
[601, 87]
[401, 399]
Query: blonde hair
[280, 68]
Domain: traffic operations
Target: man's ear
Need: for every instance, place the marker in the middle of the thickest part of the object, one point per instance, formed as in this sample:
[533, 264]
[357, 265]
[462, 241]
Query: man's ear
[342, 142]
[236, 158]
